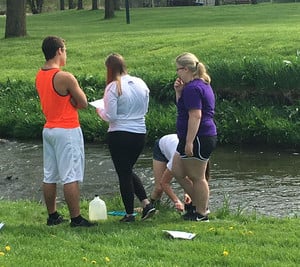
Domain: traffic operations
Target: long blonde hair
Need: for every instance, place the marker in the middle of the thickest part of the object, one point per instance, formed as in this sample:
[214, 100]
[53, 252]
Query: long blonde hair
[191, 62]
[116, 67]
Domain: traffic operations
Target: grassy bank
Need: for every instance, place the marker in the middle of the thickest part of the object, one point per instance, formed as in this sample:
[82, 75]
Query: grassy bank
[229, 239]
[252, 58]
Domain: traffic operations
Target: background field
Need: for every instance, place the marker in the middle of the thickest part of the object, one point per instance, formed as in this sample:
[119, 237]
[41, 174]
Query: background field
[156, 36]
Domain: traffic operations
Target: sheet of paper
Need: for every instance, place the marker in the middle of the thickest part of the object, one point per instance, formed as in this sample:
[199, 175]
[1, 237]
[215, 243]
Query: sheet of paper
[98, 103]
[1, 225]
[179, 234]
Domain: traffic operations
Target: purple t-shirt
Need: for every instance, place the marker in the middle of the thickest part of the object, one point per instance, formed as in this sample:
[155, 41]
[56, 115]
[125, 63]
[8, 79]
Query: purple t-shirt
[196, 95]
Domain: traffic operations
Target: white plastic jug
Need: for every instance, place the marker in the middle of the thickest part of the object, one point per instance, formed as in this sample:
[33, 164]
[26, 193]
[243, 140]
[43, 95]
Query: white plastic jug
[97, 209]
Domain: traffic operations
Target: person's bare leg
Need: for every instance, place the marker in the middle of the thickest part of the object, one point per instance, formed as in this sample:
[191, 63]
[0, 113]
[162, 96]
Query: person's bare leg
[201, 198]
[72, 197]
[49, 191]
[180, 175]
[196, 172]
[158, 170]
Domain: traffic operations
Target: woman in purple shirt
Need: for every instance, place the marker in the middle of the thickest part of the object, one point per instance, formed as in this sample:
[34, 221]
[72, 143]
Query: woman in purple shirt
[196, 131]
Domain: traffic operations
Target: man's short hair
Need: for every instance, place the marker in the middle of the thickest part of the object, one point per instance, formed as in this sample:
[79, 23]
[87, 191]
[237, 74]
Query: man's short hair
[50, 45]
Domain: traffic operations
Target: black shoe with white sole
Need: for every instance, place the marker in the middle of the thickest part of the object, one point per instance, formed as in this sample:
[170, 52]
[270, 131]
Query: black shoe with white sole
[148, 211]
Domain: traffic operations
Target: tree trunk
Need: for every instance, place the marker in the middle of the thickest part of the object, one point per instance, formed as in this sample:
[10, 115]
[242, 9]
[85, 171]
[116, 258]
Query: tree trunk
[79, 4]
[39, 4]
[71, 4]
[117, 5]
[15, 18]
[62, 4]
[109, 9]
[94, 4]
[36, 6]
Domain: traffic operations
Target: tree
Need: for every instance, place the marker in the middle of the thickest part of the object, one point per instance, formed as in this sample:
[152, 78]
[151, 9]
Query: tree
[117, 5]
[36, 6]
[79, 4]
[15, 18]
[71, 4]
[94, 4]
[109, 9]
[62, 4]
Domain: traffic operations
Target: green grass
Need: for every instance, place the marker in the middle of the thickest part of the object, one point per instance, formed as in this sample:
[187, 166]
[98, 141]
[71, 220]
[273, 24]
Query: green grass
[250, 240]
[155, 37]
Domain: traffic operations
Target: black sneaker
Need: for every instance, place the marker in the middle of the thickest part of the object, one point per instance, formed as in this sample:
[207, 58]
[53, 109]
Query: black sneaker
[82, 223]
[189, 208]
[129, 218]
[155, 203]
[189, 211]
[188, 216]
[148, 211]
[51, 221]
[195, 217]
[201, 218]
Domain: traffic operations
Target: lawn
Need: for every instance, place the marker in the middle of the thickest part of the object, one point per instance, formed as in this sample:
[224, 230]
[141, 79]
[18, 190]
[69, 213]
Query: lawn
[229, 239]
[155, 36]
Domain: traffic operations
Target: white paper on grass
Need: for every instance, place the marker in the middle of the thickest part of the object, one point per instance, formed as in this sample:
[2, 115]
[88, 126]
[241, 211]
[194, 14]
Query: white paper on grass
[179, 234]
[1, 225]
[98, 103]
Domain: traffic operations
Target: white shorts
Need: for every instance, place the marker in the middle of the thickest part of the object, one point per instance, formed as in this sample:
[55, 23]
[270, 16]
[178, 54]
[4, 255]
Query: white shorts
[63, 151]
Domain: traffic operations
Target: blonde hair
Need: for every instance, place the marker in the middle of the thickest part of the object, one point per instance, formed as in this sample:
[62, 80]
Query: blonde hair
[191, 62]
[116, 67]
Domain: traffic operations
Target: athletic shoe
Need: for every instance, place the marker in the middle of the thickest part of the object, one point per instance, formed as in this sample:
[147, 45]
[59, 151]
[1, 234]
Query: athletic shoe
[195, 217]
[51, 221]
[82, 223]
[148, 211]
[201, 218]
[155, 203]
[189, 211]
[188, 216]
[128, 219]
[189, 208]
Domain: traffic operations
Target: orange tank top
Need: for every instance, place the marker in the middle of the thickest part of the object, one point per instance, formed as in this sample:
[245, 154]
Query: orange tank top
[58, 111]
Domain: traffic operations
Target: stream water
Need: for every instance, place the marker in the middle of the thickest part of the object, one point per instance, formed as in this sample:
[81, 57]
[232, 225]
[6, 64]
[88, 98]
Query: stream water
[261, 180]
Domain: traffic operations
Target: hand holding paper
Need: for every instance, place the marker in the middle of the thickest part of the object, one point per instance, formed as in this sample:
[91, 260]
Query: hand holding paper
[98, 103]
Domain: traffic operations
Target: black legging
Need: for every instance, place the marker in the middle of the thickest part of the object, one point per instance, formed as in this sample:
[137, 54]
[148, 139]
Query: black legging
[125, 148]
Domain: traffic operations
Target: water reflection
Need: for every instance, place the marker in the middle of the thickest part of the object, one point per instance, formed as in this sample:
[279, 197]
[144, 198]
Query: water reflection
[265, 181]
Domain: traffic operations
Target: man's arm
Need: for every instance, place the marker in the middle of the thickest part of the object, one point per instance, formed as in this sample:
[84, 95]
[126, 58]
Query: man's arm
[66, 83]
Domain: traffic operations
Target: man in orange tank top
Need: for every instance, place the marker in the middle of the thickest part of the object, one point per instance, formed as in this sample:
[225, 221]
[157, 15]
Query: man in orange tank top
[63, 145]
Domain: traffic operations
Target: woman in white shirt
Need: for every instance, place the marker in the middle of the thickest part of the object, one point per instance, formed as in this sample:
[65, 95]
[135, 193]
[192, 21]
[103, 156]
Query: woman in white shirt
[163, 152]
[126, 100]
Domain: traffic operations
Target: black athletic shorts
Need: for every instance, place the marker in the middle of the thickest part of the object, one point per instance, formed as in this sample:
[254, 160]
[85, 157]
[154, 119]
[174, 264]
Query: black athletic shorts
[203, 147]
[157, 154]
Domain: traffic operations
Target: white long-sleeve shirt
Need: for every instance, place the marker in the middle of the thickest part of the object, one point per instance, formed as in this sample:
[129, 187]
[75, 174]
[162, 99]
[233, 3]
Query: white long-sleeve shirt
[127, 111]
